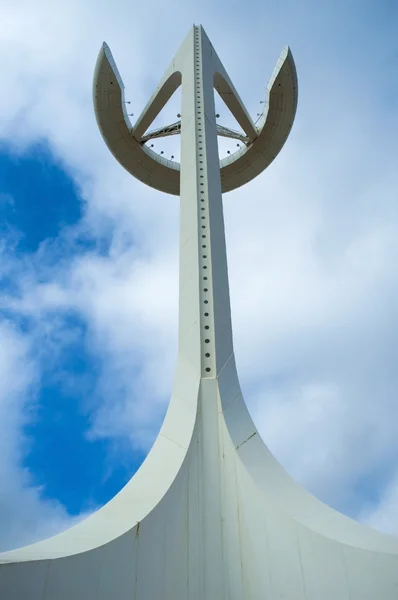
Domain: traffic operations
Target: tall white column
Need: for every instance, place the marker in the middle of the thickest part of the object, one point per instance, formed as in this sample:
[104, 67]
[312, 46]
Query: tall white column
[205, 336]
[204, 340]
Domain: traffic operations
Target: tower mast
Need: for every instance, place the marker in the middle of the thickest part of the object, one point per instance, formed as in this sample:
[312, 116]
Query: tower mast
[205, 334]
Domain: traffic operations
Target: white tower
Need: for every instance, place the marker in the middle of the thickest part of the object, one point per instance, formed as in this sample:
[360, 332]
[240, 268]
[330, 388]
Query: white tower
[210, 515]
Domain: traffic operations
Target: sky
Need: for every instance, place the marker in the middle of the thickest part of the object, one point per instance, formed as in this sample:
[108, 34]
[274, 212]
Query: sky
[89, 256]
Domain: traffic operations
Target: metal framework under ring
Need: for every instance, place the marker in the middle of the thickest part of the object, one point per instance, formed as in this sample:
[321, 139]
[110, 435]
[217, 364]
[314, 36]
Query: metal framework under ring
[263, 141]
[175, 129]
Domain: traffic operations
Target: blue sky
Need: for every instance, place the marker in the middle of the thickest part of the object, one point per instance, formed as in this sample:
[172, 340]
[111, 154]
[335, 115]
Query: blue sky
[88, 264]
[40, 202]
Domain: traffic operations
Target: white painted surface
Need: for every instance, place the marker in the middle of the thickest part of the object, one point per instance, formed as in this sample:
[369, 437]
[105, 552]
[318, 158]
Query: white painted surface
[210, 514]
[162, 174]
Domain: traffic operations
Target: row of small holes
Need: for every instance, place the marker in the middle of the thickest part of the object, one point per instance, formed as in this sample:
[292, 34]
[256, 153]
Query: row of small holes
[199, 118]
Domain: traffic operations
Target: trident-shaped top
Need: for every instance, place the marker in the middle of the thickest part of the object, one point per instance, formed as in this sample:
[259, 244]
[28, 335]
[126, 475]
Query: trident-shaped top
[205, 332]
[262, 142]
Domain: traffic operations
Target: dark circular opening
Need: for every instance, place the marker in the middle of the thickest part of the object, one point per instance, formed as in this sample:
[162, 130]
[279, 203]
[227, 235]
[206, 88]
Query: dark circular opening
[207, 341]
[207, 354]
[207, 327]
[206, 302]
[204, 266]
[205, 290]
[208, 369]
[206, 314]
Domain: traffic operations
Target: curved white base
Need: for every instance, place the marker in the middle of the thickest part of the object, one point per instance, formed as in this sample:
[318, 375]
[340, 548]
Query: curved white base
[231, 525]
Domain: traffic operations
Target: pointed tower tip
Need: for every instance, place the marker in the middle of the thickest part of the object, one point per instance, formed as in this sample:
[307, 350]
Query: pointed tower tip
[285, 51]
[105, 48]
[105, 53]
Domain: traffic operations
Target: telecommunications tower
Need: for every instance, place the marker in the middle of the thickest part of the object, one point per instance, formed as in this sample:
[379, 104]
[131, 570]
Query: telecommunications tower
[210, 515]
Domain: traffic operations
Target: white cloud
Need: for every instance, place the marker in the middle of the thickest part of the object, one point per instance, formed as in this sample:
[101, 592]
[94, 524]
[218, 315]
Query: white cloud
[385, 516]
[20, 498]
[310, 242]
